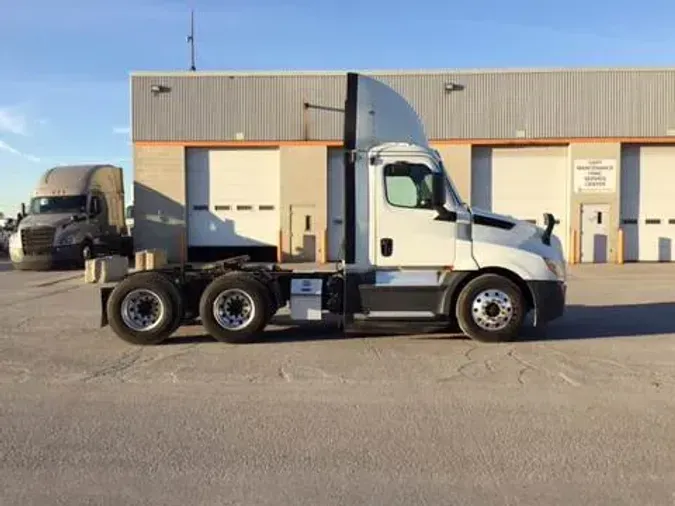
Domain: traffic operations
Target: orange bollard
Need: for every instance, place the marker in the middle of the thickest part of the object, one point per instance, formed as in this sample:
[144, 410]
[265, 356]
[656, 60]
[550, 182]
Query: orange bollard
[572, 255]
[280, 247]
[619, 247]
[324, 246]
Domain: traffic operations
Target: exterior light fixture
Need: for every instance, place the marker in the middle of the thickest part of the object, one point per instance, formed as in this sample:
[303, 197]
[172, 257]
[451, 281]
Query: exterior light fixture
[159, 88]
[450, 87]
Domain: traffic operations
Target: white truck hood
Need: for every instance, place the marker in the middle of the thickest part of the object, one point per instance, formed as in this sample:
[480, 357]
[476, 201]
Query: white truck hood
[520, 232]
[517, 244]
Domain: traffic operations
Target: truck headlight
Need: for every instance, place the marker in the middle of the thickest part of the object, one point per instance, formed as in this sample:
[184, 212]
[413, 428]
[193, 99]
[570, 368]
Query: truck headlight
[556, 268]
[15, 240]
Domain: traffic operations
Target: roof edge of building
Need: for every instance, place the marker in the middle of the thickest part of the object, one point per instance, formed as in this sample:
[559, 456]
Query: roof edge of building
[390, 72]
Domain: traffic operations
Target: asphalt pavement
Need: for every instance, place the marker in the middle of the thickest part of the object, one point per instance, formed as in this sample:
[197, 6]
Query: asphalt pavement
[579, 415]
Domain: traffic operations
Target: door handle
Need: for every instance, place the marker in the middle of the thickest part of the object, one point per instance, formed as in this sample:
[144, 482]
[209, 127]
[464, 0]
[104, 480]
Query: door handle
[386, 246]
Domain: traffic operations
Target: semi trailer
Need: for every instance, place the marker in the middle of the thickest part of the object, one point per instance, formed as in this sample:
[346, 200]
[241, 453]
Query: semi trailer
[413, 253]
[75, 212]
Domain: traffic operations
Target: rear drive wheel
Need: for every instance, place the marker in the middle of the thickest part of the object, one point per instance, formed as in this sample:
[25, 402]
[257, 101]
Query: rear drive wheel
[145, 309]
[491, 308]
[235, 308]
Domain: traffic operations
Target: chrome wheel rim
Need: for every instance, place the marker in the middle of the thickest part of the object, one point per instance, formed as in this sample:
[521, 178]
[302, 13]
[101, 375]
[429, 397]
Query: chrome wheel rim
[492, 310]
[234, 309]
[142, 310]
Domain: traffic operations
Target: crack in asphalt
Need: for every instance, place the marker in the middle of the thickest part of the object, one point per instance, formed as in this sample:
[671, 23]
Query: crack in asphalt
[40, 296]
[370, 347]
[132, 360]
[114, 370]
[56, 281]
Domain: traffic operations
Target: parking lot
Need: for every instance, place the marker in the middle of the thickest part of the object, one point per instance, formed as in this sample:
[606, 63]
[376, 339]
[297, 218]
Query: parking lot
[581, 415]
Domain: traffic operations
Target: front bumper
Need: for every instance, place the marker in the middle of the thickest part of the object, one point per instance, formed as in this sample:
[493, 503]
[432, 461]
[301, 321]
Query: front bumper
[58, 255]
[549, 300]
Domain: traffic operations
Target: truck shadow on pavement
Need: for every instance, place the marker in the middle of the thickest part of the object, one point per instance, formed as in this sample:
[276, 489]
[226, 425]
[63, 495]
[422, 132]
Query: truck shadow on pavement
[312, 332]
[579, 322]
[301, 333]
[590, 322]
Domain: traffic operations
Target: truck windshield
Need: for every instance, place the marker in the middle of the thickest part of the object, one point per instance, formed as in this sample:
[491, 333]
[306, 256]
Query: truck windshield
[67, 204]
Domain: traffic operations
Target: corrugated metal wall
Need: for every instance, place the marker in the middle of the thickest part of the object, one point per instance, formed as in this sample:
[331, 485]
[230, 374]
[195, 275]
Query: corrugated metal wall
[492, 105]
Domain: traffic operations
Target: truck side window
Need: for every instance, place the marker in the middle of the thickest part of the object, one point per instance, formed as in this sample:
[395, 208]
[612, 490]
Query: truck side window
[408, 185]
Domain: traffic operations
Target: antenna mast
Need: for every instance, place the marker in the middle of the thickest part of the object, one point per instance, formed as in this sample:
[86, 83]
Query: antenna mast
[191, 40]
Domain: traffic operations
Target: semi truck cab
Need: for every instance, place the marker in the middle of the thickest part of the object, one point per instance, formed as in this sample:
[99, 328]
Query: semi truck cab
[73, 212]
[409, 235]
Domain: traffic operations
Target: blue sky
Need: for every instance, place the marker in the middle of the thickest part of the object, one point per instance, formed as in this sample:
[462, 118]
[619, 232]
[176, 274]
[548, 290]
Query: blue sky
[64, 89]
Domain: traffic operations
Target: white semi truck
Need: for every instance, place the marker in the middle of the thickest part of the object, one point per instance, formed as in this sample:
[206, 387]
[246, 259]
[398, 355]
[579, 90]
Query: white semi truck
[414, 253]
[75, 212]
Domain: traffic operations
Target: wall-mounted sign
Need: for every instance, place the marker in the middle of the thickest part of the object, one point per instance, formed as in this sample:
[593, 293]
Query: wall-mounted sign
[594, 176]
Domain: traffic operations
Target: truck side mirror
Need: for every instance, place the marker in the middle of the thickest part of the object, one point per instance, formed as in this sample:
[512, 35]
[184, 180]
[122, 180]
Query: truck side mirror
[549, 222]
[438, 189]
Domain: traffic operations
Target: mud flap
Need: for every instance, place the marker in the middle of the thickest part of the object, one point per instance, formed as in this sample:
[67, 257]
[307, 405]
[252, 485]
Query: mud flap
[549, 300]
[105, 295]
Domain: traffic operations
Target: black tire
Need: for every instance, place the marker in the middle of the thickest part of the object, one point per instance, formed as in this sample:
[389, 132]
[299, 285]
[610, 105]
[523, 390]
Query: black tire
[244, 288]
[513, 313]
[164, 290]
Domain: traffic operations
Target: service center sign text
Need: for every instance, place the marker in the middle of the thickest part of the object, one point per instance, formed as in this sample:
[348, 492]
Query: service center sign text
[594, 176]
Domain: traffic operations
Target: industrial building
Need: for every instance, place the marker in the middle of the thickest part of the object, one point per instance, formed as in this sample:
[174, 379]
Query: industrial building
[229, 162]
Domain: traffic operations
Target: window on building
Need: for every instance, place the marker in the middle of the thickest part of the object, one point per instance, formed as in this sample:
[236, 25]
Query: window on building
[408, 185]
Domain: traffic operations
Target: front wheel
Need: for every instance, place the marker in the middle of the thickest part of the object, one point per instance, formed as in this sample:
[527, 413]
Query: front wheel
[491, 308]
[235, 308]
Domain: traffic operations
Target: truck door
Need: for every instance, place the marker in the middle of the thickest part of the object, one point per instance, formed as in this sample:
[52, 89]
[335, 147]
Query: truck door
[409, 231]
[374, 114]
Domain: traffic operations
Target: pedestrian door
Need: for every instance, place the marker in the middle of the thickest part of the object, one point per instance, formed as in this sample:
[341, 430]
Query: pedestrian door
[594, 233]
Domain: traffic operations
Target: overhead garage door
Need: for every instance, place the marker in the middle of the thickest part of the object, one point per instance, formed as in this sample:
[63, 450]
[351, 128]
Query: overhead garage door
[233, 197]
[524, 182]
[647, 203]
[336, 172]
